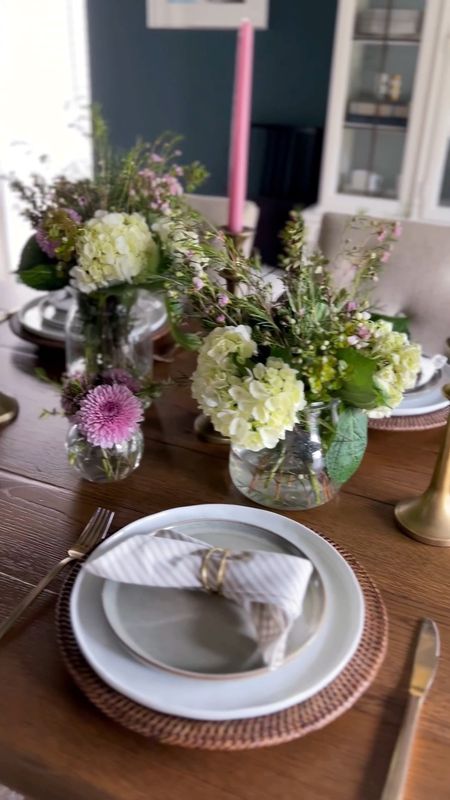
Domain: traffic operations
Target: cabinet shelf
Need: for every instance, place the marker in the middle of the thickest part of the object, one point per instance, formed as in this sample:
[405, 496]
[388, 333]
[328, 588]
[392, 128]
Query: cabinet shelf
[386, 40]
[385, 126]
[348, 190]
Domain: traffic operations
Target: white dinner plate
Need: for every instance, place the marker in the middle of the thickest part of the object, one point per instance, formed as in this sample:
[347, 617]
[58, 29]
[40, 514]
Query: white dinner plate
[317, 664]
[46, 316]
[206, 635]
[426, 400]
[35, 318]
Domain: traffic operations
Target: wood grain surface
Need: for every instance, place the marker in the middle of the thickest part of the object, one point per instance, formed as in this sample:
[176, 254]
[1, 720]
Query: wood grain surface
[55, 746]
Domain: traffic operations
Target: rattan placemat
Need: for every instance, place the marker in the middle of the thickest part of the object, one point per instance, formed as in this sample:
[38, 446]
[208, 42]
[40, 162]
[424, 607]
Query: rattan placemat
[421, 422]
[272, 729]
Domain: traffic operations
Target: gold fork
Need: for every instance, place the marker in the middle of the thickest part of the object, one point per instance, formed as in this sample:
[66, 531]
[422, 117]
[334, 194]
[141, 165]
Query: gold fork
[95, 530]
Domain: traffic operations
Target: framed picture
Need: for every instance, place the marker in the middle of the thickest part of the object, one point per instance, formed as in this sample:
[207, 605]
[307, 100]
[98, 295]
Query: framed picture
[206, 13]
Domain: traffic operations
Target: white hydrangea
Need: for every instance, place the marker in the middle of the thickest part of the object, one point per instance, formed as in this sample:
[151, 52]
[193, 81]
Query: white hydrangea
[113, 248]
[253, 404]
[182, 243]
[163, 227]
[399, 364]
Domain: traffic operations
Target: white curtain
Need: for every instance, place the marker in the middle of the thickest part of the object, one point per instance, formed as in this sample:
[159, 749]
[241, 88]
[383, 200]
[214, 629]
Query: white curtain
[44, 95]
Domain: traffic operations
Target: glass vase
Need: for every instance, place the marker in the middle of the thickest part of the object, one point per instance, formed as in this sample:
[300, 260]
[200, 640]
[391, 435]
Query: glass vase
[110, 330]
[293, 474]
[100, 464]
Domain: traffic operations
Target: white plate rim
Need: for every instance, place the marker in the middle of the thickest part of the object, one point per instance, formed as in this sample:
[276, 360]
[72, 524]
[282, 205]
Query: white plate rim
[52, 334]
[417, 411]
[44, 333]
[427, 369]
[310, 542]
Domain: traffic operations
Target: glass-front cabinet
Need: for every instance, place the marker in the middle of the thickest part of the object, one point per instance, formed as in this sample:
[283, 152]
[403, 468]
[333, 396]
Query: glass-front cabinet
[389, 61]
[434, 169]
[383, 62]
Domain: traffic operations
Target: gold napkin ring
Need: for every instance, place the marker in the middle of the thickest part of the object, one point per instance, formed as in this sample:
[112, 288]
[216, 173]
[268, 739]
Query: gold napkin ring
[205, 569]
[222, 570]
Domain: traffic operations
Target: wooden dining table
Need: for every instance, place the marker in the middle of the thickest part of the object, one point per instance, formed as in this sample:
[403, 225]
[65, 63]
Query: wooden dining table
[55, 745]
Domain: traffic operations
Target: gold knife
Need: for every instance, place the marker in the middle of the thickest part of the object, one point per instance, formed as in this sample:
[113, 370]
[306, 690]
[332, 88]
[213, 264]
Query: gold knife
[423, 672]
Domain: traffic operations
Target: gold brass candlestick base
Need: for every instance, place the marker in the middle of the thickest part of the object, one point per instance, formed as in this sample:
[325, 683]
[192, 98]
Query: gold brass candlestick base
[427, 518]
[9, 408]
[205, 430]
[243, 240]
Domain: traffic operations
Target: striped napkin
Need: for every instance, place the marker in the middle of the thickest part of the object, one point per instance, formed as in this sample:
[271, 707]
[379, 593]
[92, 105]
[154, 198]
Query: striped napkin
[269, 586]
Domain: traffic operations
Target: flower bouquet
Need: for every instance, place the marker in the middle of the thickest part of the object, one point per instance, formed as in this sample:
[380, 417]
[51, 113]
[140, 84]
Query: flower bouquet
[291, 381]
[105, 441]
[98, 237]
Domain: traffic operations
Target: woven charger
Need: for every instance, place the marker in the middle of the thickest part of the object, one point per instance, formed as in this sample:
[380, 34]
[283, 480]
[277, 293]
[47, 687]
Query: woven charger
[416, 422]
[240, 734]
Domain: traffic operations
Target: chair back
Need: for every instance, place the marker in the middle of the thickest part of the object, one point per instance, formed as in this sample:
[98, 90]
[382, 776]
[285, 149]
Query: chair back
[415, 282]
[215, 209]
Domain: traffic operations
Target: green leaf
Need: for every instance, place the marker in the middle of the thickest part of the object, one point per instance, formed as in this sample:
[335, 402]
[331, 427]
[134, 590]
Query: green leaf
[399, 324]
[322, 311]
[188, 341]
[39, 271]
[46, 412]
[43, 277]
[359, 389]
[348, 445]
[32, 255]
[281, 352]
[153, 283]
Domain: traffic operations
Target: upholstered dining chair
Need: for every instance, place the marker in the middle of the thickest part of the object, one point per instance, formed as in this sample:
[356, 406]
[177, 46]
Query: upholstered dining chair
[415, 282]
[215, 210]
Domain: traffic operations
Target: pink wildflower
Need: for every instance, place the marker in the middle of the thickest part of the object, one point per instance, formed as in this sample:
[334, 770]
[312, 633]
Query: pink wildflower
[174, 186]
[220, 318]
[363, 332]
[223, 300]
[198, 283]
[397, 230]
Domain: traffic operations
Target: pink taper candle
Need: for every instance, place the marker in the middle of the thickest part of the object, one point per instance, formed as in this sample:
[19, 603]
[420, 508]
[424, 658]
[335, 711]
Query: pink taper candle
[240, 128]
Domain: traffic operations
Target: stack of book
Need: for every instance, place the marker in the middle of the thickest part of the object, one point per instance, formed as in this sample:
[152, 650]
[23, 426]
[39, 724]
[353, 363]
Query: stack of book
[374, 113]
[392, 23]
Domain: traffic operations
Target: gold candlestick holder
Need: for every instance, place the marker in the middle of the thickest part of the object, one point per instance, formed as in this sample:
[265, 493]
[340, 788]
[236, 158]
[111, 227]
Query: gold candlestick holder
[205, 430]
[203, 426]
[243, 240]
[9, 408]
[427, 518]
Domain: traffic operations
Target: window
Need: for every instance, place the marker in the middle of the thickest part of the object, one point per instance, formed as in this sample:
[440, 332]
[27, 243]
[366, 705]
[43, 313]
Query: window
[44, 91]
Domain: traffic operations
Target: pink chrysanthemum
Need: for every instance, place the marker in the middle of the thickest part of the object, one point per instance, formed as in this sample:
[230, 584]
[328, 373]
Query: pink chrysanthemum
[109, 415]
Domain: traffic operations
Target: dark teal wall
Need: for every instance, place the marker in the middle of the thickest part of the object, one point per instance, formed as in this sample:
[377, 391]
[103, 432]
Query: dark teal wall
[148, 81]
